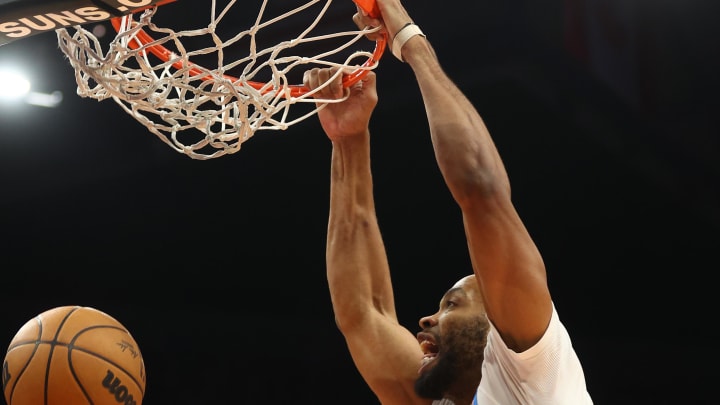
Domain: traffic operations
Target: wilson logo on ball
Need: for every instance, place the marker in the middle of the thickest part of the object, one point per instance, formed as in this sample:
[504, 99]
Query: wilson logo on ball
[116, 388]
[5, 374]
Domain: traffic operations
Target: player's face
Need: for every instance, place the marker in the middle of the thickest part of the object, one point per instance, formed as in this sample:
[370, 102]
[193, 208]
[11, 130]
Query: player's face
[453, 340]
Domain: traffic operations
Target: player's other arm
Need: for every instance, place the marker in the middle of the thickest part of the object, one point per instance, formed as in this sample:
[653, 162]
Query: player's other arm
[386, 354]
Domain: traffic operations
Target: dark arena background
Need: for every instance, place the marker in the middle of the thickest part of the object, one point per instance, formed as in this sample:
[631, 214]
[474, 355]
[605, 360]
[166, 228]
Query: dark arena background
[606, 115]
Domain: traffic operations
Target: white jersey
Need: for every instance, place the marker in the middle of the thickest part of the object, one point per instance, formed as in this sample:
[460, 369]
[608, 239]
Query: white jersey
[549, 373]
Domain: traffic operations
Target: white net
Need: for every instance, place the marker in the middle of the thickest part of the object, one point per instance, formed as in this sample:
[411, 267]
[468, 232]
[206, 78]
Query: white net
[206, 87]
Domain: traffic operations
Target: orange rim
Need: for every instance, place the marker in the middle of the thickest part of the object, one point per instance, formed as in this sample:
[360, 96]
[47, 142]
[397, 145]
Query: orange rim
[295, 90]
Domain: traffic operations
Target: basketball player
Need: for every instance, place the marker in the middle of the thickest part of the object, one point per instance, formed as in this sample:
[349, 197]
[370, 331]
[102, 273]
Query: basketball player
[496, 338]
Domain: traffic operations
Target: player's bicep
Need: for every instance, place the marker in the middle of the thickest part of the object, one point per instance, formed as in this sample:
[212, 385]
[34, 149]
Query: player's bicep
[388, 357]
[511, 272]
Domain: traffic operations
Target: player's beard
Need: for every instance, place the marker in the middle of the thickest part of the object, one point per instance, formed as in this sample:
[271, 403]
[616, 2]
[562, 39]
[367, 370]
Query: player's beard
[461, 352]
[435, 382]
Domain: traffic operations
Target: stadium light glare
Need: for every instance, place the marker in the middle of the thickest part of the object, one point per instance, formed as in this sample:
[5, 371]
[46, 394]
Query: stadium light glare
[13, 85]
[16, 87]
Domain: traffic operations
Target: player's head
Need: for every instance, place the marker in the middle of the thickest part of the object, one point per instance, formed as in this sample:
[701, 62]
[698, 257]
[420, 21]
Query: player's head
[453, 340]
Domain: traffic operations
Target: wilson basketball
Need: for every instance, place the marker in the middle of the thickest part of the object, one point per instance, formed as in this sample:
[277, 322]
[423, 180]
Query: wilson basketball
[73, 355]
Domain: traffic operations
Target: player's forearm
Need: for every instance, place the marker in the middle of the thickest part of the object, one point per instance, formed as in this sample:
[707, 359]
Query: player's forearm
[357, 269]
[465, 152]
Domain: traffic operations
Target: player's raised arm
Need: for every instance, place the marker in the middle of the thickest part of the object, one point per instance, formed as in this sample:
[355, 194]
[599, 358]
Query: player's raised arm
[507, 264]
[386, 354]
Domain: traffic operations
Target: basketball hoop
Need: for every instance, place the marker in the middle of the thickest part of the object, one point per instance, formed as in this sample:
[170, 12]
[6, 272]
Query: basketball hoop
[205, 90]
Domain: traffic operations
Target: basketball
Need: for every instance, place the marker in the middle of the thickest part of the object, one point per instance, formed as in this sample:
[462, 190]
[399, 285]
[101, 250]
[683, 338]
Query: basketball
[73, 355]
